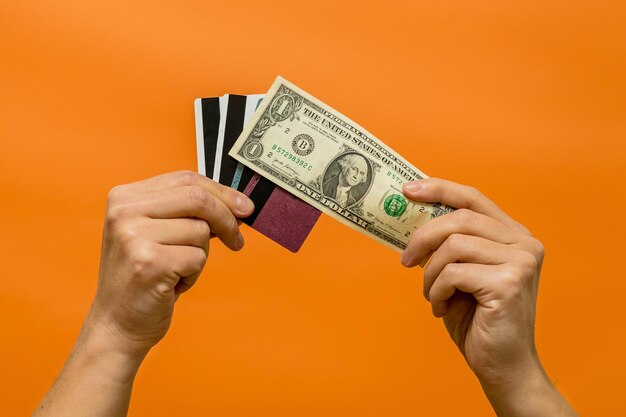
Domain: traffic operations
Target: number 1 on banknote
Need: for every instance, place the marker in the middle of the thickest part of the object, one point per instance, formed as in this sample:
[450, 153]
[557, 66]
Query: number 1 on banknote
[332, 163]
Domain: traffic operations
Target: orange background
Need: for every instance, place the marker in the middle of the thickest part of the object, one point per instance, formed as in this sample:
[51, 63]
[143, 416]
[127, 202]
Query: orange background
[525, 100]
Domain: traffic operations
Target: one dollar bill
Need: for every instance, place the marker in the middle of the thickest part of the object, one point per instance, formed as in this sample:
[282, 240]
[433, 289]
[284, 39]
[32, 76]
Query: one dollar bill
[332, 163]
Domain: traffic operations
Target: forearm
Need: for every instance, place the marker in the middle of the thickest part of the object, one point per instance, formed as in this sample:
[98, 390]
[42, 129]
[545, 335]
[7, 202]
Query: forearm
[532, 396]
[96, 380]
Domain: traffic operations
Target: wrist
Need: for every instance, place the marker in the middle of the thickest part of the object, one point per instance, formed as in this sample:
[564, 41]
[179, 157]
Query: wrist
[106, 353]
[529, 393]
[97, 378]
[513, 391]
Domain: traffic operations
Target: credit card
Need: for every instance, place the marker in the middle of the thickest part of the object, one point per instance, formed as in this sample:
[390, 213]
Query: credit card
[278, 214]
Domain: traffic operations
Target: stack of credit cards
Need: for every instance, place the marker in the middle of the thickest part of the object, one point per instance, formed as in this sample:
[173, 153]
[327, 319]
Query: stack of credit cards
[278, 214]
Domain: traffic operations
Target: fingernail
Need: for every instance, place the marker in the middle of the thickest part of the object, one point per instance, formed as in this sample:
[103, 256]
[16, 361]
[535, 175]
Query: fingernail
[244, 204]
[412, 186]
[240, 241]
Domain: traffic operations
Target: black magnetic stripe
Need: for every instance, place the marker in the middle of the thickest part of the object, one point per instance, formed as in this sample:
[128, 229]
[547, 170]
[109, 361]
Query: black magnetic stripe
[210, 127]
[259, 196]
[234, 126]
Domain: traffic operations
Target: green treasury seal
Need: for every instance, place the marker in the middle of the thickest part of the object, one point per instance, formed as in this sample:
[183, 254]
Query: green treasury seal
[395, 205]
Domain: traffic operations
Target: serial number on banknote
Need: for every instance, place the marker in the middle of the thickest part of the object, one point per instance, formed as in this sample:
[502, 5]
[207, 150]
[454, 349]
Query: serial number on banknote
[395, 177]
[288, 155]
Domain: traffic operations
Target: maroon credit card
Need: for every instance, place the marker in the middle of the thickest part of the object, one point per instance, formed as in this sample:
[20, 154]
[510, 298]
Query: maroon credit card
[278, 214]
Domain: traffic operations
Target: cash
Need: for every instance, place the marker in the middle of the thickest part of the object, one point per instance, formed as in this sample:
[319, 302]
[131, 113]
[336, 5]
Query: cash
[332, 163]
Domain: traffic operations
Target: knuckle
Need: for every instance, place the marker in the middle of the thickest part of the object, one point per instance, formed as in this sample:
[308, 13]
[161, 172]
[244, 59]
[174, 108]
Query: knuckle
[200, 260]
[449, 270]
[511, 282]
[515, 277]
[115, 194]
[473, 191]
[125, 233]
[116, 213]
[197, 197]
[195, 261]
[203, 229]
[223, 192]
[118, 207]
[144, 259]
[455, 242]
[187, 177]
[528, 263]
[537, 248]
[464, 215]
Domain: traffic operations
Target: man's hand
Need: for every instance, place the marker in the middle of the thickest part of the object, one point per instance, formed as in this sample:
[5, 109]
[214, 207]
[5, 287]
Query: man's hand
[483, 278]
[154, 246]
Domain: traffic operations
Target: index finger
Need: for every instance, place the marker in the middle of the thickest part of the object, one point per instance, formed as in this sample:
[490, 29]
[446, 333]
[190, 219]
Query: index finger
[458, 196]
[238, 203]
[192, 202]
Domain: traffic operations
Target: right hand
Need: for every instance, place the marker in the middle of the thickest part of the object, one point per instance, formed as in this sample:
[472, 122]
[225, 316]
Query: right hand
[483, 278]
[154, 246]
